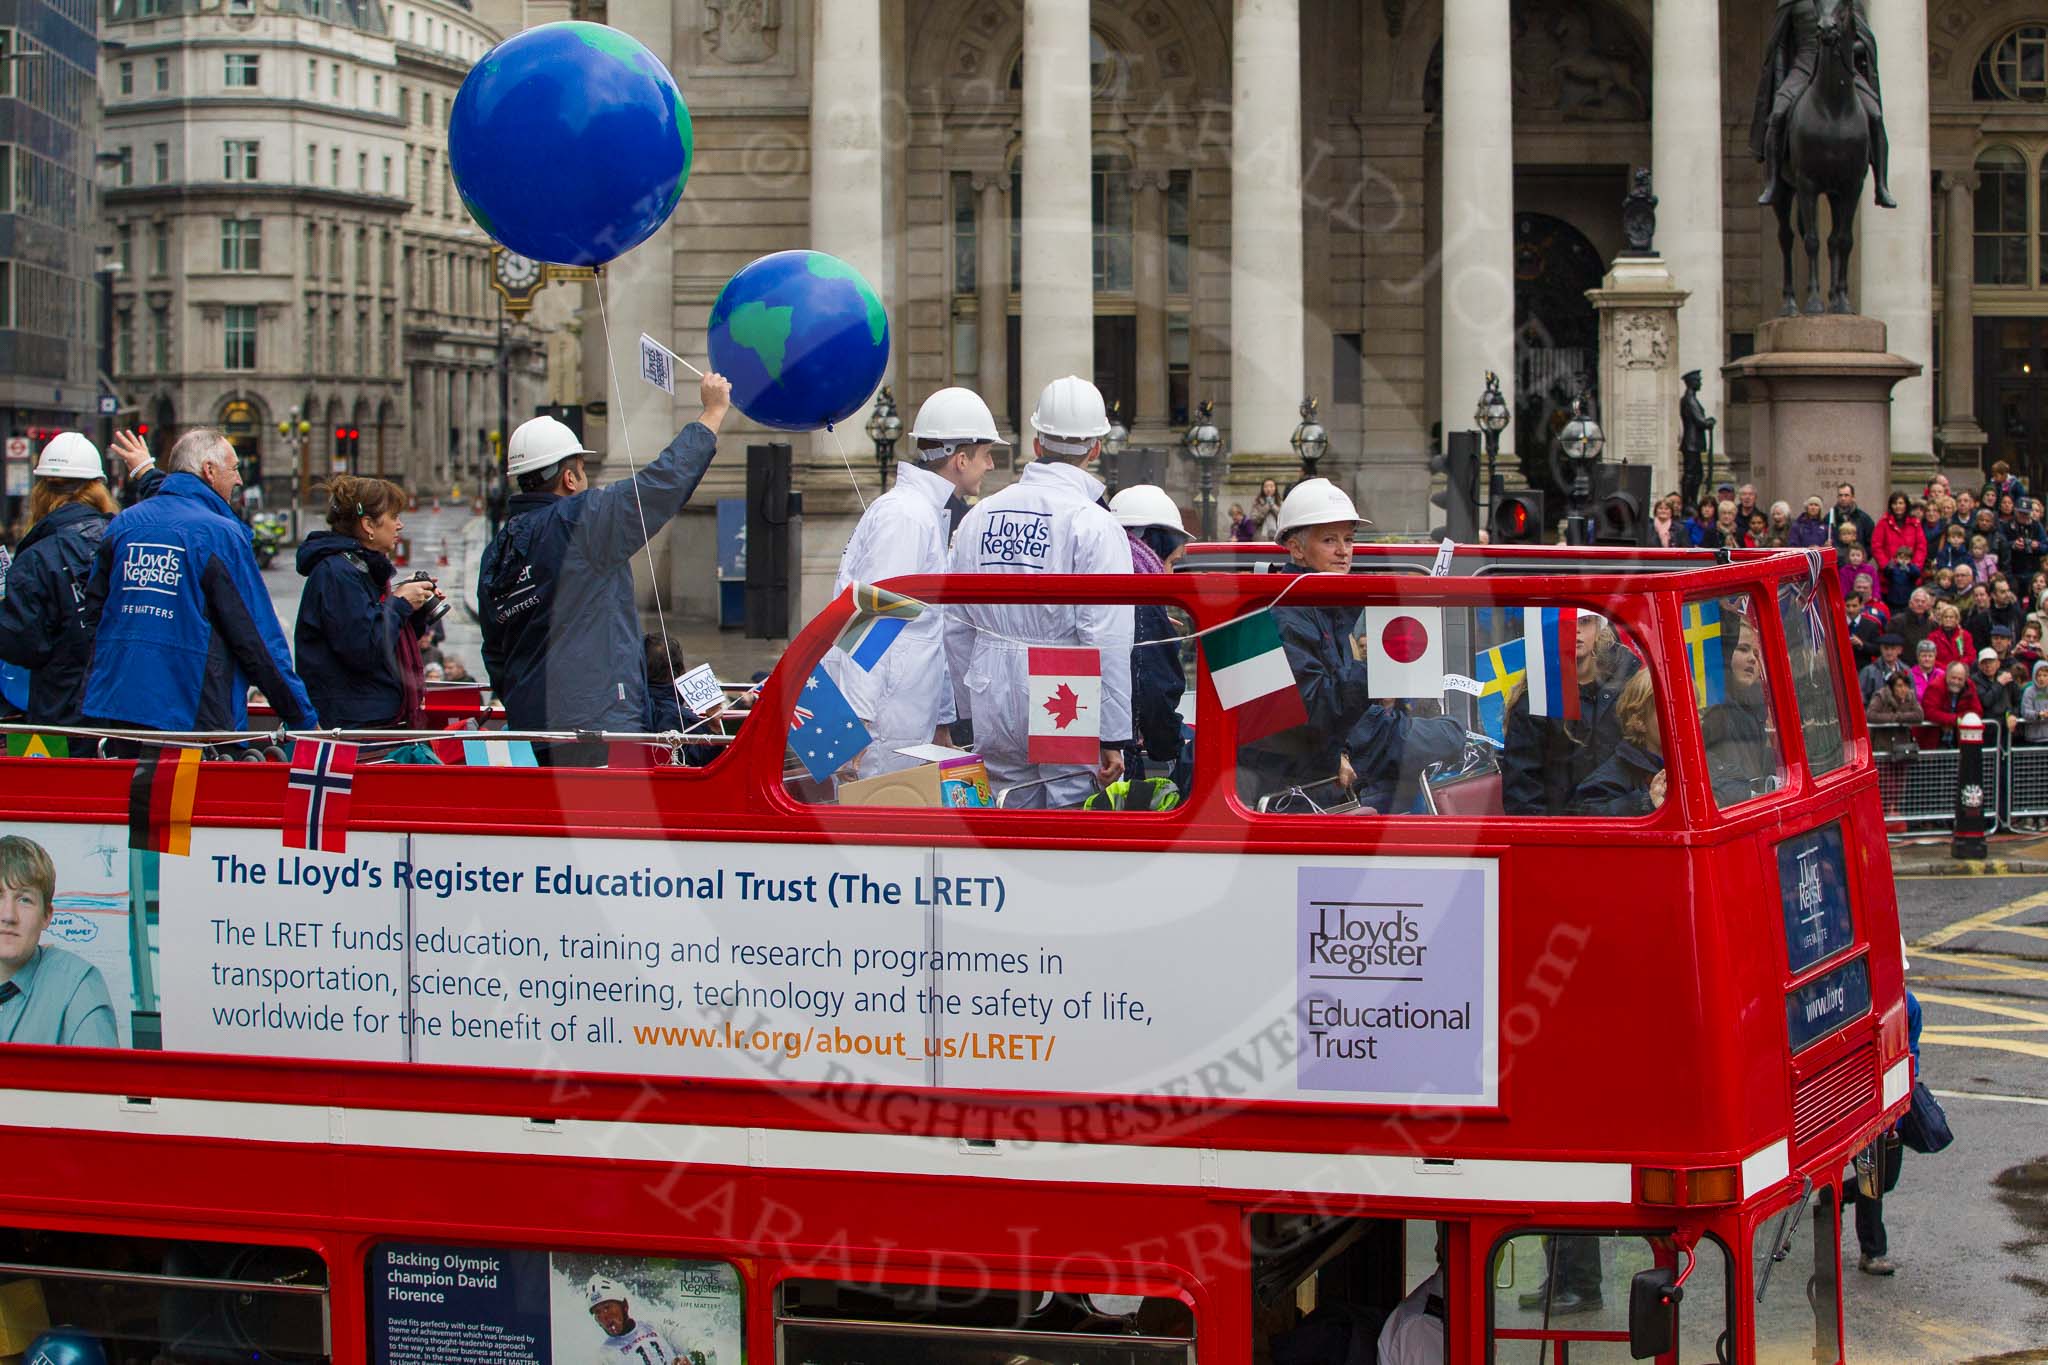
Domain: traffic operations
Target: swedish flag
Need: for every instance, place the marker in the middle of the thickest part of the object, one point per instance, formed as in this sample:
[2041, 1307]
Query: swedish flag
[1703, 651]
[1498, 670]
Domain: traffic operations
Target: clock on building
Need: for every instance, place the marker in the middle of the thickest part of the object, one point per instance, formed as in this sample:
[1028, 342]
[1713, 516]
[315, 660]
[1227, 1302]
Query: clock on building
[516, 277]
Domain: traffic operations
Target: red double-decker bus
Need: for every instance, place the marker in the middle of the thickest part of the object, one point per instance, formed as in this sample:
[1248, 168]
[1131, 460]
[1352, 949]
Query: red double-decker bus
[1457, 1043]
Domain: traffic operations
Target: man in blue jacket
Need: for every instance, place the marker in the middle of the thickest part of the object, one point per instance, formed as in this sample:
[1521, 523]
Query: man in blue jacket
[182, 624]
[562, 636]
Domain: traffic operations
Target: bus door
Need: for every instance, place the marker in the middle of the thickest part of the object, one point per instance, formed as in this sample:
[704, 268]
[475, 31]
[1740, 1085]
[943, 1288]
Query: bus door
[1794, 1279]
[1352, 1288]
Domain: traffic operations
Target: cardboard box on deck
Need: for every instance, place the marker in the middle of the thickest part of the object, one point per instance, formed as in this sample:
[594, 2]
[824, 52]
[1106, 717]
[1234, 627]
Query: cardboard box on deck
[23, 1316]
[958, 779]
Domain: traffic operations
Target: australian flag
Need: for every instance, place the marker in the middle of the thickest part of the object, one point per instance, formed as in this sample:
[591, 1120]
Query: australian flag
[823, 729]
[317, 793]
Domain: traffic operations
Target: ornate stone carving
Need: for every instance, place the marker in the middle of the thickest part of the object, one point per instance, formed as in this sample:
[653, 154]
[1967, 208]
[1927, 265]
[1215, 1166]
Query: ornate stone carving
[1578, 61]
[1640, 342]
[742, 32]
[1639, 216]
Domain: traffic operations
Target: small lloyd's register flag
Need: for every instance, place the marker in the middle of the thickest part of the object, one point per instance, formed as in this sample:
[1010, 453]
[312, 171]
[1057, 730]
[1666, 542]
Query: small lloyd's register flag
[1066, 706]
[1248, 667]
[657, 364]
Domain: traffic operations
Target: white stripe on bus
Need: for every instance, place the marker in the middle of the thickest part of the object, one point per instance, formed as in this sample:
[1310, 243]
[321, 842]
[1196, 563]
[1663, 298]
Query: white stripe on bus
[1378, 1176]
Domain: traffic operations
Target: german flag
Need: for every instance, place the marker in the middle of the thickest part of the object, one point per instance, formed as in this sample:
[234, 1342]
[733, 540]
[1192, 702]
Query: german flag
[160, 800]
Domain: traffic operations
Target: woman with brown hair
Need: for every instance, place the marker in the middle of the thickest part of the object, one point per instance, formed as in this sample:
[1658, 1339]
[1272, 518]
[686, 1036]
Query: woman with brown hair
[42, 618]
[1631, 781]
[358, 636]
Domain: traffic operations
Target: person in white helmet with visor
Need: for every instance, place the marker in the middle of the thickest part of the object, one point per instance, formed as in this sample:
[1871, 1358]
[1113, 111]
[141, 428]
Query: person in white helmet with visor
[907, 698]
[1050, 521]
[562, 638]
[42, 615]
[639, 1343]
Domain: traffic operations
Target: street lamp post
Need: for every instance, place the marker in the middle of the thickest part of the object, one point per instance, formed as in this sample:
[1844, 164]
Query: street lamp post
[1113, 446]
[1310, 441]
[295, 431]
[1581, 441]
[1492, 418]
[884, 428]
[1203, 444]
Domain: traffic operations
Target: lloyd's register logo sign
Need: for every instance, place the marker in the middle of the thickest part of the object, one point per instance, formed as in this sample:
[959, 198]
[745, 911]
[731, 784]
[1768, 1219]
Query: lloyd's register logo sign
[1813, 890]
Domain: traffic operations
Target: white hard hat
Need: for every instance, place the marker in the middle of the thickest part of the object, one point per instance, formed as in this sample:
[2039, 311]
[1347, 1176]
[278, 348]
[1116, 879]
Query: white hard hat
[1315, 502]
[958, 417]
[539, 442]
[1144, 504]
[603, 1289]
[1071, 414]
[70, 456]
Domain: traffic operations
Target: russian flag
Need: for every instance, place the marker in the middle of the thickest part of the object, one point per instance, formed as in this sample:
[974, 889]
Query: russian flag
[1551, 650]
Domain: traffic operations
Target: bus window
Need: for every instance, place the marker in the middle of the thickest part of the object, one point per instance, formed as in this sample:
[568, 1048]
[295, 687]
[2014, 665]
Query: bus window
[1550, 1290]
[431, 1301]
[1016, 725]
[1815, 686]
[1795, 1278]
[1726, 662]
[822, 1322]
[1463, 711]
[155, 1298]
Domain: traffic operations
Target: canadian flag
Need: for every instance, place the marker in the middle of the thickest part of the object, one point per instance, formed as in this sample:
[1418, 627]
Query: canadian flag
[1066, 706]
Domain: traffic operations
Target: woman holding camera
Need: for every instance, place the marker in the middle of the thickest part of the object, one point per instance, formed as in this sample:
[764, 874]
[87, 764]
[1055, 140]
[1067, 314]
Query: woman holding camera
[358, 636]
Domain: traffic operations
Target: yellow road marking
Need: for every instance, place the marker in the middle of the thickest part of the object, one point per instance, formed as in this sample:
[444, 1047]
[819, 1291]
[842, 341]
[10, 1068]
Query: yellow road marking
[2020, 1046]
[1985, 1007]
[1988, 919]
[1994, 963]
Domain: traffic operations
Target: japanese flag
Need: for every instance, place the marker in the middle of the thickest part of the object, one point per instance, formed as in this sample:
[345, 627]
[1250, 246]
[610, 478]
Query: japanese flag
[1066, 706]
[1404, 651]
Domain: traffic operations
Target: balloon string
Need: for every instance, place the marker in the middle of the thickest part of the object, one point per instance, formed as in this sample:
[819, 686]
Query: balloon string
[632, 470]
[833, 432]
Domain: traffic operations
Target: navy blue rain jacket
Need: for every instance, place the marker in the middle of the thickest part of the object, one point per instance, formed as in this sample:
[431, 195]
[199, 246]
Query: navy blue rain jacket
[562, 637]
[347, 634]
[182, 625]
[42, 618]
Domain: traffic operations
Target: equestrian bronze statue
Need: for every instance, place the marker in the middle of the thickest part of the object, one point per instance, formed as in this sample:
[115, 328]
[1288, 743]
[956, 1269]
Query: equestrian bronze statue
[1818, 126]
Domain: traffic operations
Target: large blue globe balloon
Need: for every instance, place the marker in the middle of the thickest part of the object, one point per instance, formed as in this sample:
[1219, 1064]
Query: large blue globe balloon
[64, 1347]
[570, 143]
[802, 337]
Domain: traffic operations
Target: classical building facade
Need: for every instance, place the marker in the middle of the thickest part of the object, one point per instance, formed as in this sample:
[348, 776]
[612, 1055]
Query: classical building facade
[1375, 202]
[49, 301]
[290, 253]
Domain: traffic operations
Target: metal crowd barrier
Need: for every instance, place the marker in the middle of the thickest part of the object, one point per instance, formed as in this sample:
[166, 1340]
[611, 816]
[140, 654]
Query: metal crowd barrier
[1918, 786]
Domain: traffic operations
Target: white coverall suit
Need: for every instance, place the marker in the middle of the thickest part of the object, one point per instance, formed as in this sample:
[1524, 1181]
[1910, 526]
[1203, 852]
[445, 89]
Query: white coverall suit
[907, 696]
[1047, 522]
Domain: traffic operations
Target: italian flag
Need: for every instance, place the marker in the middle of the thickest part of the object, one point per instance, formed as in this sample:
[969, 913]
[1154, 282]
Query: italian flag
[1249, 669]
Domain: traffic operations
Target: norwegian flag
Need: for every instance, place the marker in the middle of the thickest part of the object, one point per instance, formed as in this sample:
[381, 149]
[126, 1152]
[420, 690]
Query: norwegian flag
[316, 795]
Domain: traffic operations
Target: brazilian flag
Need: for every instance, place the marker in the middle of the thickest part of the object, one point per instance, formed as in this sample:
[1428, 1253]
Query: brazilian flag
[38, 746]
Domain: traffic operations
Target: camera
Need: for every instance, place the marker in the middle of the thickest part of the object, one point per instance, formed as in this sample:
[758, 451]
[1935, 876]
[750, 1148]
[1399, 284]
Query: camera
[436, 606]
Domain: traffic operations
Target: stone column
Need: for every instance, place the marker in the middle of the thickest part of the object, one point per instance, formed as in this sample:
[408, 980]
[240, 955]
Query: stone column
[1892, 245]
[847, 174]
[1059, 301]
[1685, 159]
[1148, 405]
[1961, 435]
[1477, 333]
[992, 294]
[1266, 350]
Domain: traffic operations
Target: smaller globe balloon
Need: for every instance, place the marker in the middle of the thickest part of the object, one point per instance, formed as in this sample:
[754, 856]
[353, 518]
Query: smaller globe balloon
[64, 1347]
[570, 143]
[803, 338]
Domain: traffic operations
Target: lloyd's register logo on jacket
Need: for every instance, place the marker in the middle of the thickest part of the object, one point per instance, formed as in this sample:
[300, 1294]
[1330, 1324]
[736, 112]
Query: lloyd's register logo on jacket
[1016, 540]
[153, 568]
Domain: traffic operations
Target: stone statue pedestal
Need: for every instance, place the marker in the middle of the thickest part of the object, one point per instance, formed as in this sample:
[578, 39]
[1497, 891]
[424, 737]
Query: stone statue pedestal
[1639, 376]
[1820, 395]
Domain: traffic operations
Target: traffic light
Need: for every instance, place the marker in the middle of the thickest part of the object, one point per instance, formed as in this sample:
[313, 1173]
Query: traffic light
[1517, 518]
[1621, 504]
[142, 430]
[347, 443]
[1459, 464]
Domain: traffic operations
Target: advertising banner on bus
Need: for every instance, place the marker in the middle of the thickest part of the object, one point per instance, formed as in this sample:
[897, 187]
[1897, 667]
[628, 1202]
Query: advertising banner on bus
[1333, 980]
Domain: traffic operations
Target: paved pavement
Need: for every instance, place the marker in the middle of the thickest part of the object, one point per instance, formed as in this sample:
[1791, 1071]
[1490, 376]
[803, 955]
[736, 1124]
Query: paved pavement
[1969, 1227]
